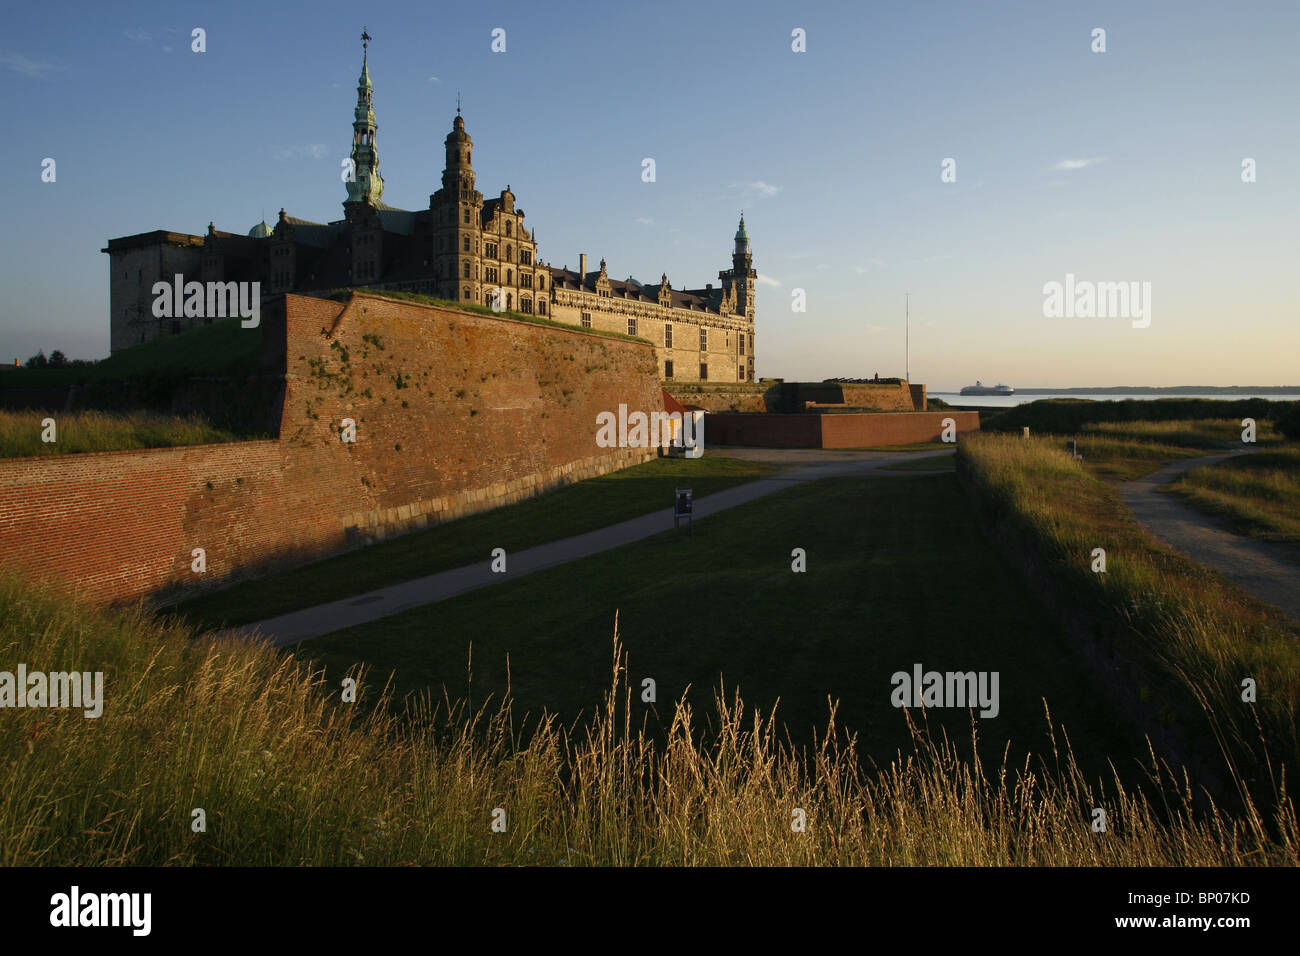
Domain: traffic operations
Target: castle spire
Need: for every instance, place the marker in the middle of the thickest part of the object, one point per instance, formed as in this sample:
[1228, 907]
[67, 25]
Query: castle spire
[368, 185]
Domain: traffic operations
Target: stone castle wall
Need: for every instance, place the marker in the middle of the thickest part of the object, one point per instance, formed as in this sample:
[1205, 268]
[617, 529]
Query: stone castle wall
[454, 413]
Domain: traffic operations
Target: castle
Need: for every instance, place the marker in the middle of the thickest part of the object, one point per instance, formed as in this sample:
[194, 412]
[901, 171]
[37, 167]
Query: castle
[462, 248]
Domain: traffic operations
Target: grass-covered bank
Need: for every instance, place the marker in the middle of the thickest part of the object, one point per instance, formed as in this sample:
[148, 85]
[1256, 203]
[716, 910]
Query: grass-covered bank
[288, 775]
[1063, 416]
[21, 433]
[574, 509]
[1193, 636]
[1258, 493]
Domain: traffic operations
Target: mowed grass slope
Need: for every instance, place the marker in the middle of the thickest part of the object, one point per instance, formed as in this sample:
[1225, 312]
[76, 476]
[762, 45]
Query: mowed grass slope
[575, 509]
[898, 573]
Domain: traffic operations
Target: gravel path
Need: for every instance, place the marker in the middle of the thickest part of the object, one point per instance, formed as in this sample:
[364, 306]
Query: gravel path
[802, 465]
[1260, 567]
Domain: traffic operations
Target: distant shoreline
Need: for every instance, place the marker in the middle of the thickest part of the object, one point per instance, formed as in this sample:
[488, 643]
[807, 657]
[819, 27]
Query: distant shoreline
[1160, 390]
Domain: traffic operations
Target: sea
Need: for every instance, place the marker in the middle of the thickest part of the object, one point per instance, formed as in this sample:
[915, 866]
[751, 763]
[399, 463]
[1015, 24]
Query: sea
[1020, 398]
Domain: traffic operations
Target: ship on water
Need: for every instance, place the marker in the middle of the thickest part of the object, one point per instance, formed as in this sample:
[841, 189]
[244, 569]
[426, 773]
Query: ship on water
[979, 388]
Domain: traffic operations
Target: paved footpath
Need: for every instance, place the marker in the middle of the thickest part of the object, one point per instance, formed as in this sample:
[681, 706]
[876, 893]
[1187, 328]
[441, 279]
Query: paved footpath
[1260, 567]
[806, 465]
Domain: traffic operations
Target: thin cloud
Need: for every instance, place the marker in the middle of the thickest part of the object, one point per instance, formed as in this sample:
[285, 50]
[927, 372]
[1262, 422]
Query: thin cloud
[434, 79]
[872, 263]
[644, 221]
[307, 151]
[21, 64]
[768, 280]
[137, 36]
[1071, 164]
[757, 189]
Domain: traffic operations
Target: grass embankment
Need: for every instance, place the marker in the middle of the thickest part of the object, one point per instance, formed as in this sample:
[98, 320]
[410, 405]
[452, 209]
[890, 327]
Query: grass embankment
[575, 509]
[288, 775]
[1194, 636]
[1259, 493]
[1066, 416]
[1123, 451]
[223, 348]
[76, 432]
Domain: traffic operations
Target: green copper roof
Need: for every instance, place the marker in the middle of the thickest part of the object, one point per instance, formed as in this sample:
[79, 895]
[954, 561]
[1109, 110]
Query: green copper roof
[261, 231]
[741, 233]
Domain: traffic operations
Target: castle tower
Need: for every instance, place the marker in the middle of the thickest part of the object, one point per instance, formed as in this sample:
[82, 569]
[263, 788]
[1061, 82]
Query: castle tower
[368, 186]
[361, 208]
[458, 221]
[744, 276]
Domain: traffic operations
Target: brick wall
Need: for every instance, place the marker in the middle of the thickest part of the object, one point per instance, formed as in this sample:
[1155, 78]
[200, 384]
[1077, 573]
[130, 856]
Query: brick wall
[847, 430]
[488, 411]
[792, 397]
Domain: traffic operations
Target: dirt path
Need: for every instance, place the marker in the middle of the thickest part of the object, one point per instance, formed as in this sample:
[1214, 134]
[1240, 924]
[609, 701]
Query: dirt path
[1258, 566]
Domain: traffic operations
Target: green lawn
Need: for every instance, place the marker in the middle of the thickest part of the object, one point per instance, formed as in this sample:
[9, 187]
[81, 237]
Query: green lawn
[572, 510]
[929, 463]
[897, 573]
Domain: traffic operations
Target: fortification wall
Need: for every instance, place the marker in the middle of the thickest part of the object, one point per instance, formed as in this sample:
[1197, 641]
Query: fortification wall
[846, 430]
[454, 413]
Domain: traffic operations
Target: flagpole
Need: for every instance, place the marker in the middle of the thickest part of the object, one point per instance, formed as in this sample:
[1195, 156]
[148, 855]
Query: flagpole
[907, 340]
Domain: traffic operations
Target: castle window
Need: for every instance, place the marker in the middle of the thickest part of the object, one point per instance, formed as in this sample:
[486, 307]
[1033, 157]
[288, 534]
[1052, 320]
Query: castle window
[742, 343]
[704, 372]
[586, 320]
[509, 254]
[631, 326]
[704, 342]
[466, 244]
[467, 215]
[541, 306]
[510, 277]
[526, 306]
[526, 280]
[541, 282]
[509, 225]
[525, 257]
[509, 301]
[490, 274]
[668, 369]
[466, 269]
[740, 375]
[668, 339]
[490, 250]
[466, 295]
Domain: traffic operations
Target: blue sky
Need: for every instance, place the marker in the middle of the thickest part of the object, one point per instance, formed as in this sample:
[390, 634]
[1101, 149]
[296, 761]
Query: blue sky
[1115, 166]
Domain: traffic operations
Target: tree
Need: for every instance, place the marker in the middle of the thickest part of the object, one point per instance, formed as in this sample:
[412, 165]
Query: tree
[38, 360]
[58, 359]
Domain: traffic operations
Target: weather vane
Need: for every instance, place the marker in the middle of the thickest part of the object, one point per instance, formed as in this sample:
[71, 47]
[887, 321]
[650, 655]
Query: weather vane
[365, 39]
[458, 102]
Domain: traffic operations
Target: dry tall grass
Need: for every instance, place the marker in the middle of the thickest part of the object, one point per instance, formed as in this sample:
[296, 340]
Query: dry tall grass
[287, 775]
[1195, 634]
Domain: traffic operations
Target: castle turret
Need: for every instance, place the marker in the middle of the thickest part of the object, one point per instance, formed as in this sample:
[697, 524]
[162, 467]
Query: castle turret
[366, 186]
[457, 235]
